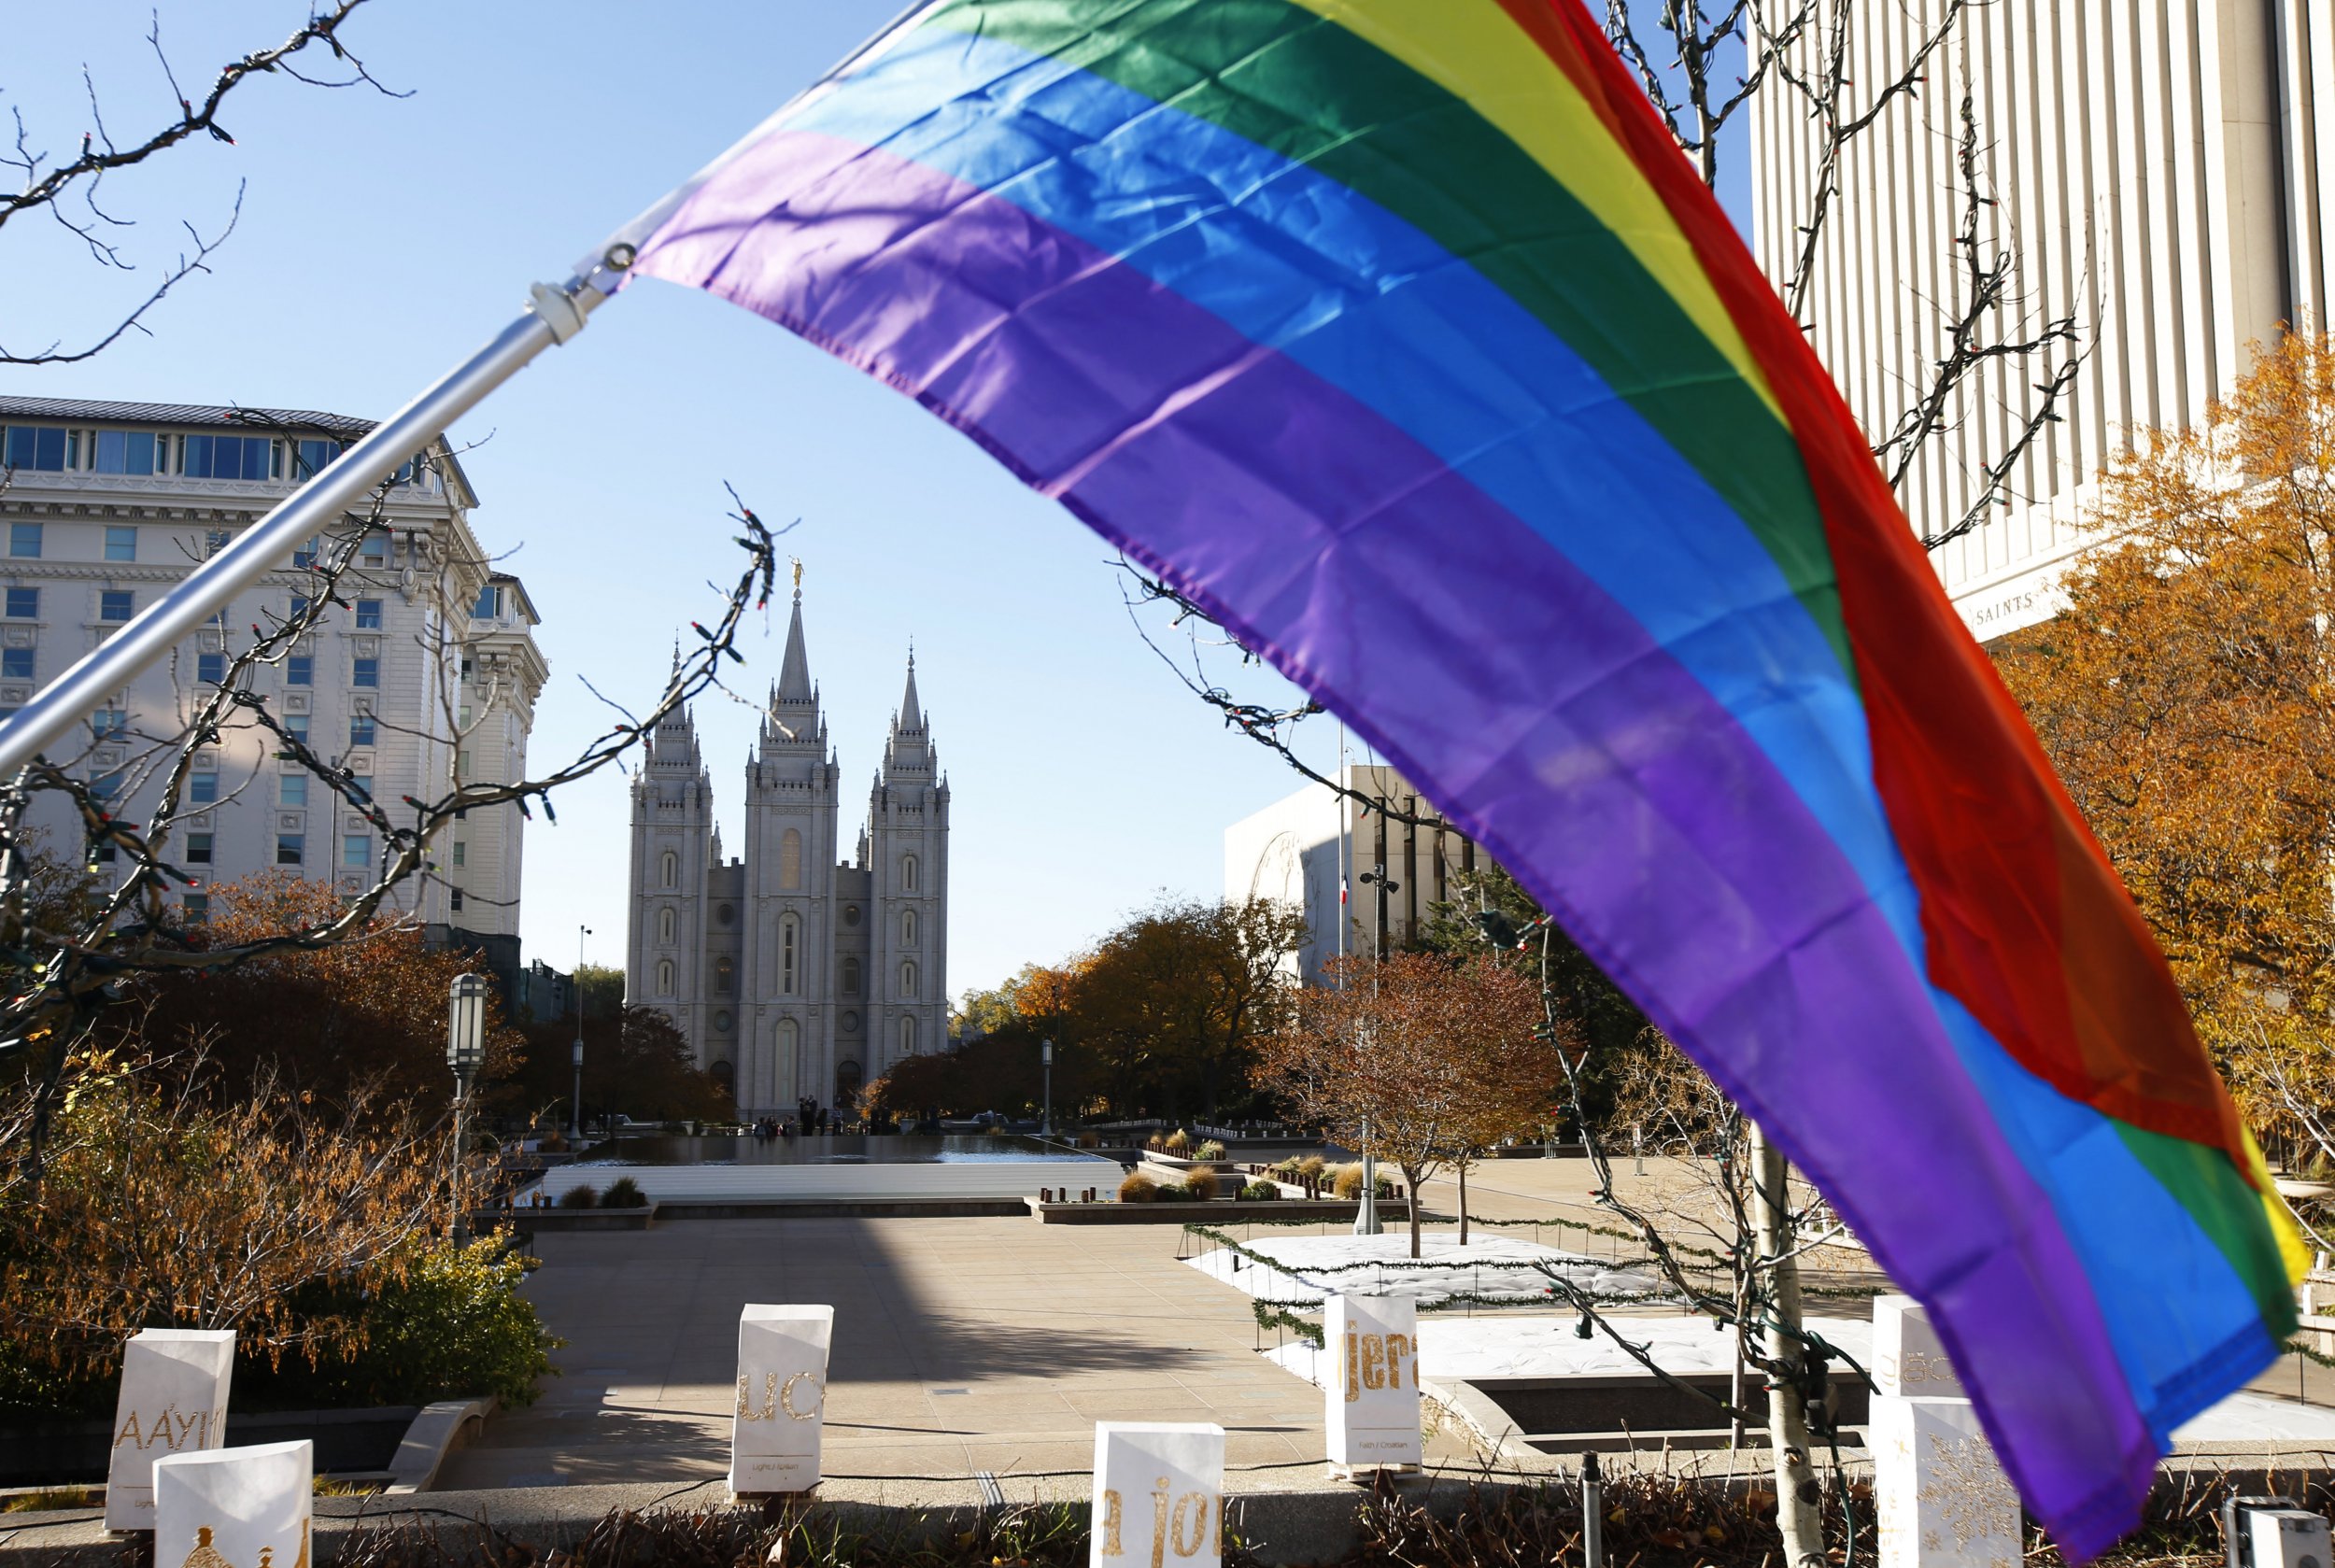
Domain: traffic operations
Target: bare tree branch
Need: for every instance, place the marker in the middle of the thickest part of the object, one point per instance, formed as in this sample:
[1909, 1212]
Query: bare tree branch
[68, 191]
[69, 952]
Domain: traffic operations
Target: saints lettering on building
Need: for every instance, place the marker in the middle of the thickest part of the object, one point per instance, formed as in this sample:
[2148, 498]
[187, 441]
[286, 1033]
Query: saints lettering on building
[795, 969]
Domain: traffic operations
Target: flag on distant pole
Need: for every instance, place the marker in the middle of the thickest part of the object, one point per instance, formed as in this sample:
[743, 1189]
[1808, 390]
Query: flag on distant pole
[1398, 335]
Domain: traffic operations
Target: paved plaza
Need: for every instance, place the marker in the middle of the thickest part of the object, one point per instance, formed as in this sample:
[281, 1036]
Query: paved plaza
[962, 1345]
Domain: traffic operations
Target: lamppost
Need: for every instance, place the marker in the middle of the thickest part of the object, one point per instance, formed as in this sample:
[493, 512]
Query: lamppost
[1367, 1213]
[575, 1101]
[1045, 1062]
[465, 1053]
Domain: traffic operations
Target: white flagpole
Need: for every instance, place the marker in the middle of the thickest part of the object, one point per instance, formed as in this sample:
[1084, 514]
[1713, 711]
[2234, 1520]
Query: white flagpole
[553, 316]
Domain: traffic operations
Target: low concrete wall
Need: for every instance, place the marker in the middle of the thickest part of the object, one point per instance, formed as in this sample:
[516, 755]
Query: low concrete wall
[837, 1209]
[1215, 1211]
[543, 1221]
[567, 1219]
[1306, 1523]
[666, 1185]
[1315, 1524]
[65, 1453]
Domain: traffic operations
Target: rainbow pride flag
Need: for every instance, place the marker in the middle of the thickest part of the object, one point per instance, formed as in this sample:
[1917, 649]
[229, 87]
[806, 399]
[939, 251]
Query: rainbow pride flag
[1400, 335]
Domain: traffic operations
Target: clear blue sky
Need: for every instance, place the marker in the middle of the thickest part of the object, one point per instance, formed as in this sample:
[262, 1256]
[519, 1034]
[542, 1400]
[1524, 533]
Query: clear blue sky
[382, 239]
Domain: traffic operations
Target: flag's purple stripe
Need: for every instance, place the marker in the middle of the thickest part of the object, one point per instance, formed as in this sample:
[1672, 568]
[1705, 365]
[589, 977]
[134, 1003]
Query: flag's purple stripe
[1410, 601]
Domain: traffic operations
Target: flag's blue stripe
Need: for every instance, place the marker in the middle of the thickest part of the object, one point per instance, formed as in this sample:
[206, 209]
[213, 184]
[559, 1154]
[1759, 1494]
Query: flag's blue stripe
[1305, 265]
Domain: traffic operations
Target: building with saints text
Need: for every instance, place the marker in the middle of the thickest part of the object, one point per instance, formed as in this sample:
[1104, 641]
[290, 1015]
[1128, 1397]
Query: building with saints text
[792, 970]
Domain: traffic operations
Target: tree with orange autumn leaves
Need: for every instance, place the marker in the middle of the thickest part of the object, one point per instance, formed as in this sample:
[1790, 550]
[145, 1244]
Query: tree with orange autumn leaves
[2184, 696]
[368, 1013]
[1418, 1061]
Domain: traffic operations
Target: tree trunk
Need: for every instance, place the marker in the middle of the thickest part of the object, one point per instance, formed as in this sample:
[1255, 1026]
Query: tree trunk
[1462, 1168]
[1799, 1496]
[1414, 1177]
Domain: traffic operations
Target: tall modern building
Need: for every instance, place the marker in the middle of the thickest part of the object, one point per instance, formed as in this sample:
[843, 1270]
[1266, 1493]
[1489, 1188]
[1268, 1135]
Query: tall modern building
[791, 970]
[428, 668]
[2161, 170]
[1312, 849]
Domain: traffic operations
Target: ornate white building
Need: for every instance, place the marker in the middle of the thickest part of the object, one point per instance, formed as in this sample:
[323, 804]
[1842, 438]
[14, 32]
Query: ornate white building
[426, 673]
[791, 971]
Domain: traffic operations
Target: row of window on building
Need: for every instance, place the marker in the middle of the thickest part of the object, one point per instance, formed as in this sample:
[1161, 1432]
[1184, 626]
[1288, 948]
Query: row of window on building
[789, 864]
[668, 927]
[202, 783]
[292, 849]
[65, 449]
[300, 670]
[30, 541]
[119, 604]
[726, 973]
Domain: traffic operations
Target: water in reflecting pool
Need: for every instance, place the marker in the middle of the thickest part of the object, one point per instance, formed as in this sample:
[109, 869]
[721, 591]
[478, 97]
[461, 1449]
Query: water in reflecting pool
[895, 1148]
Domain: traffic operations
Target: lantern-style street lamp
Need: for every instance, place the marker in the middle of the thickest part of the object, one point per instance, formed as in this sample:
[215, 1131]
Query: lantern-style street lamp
[465, 1053]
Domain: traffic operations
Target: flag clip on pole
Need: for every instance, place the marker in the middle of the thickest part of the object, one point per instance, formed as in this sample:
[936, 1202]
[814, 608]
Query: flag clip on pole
[554, 314]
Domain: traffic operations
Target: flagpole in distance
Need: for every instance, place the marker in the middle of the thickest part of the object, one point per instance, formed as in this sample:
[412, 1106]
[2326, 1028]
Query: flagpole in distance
[553, 316]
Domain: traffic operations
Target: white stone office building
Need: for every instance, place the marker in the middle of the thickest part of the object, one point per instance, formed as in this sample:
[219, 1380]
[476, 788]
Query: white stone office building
[1304, 848]
[793, 972]
[502, 674]
[2162, 170]
[107, 504]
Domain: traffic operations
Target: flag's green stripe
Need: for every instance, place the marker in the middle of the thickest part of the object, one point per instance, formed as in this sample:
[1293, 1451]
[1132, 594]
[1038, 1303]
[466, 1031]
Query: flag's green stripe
[1284, 79]
[2227, 1209]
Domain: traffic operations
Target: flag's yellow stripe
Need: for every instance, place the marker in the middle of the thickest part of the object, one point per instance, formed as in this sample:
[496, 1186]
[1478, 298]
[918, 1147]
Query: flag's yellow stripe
[1474, 50]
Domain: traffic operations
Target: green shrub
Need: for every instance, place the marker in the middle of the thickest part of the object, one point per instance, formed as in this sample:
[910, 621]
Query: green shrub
[1260, 1191]
[1200, 1182]
[1138, 1188]
[454, 1327]
[1210, 1150]
[624, 1192]
[580, 1196]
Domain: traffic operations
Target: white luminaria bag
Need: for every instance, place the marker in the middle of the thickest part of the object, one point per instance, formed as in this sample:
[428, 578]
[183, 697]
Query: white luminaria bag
[1159, 1495]
[1372, 1421]
[234, 1507]
[782, 1395]
[172, 1401]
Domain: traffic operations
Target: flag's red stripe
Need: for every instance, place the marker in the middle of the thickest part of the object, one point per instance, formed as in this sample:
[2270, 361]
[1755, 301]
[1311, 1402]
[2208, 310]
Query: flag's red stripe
[2024, 918]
